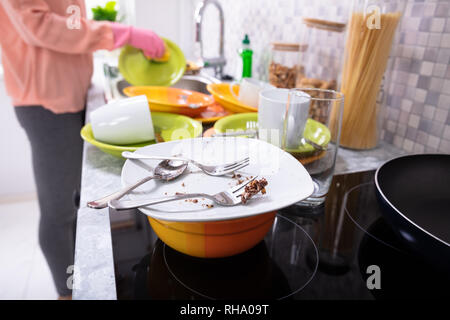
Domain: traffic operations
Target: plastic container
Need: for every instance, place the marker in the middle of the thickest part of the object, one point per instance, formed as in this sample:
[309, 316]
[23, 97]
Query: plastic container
[246, 54]
[284, 64]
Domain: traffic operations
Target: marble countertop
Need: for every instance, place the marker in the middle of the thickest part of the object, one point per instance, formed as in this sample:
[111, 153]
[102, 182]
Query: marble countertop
[349, 161]
[94, 265]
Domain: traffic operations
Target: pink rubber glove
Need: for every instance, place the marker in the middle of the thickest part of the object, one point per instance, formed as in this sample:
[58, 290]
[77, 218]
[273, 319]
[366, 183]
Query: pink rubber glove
[148, 41]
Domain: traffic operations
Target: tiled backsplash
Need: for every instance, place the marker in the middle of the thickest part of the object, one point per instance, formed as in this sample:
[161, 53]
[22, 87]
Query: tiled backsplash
[418, 104]
[418, 108]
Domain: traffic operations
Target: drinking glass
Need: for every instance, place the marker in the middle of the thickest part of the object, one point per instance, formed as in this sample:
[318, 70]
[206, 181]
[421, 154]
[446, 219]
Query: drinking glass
[316, 143]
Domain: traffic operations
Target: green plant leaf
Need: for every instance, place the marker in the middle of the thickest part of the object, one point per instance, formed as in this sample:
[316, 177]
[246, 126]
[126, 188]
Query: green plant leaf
[107, 13]
[110, 5]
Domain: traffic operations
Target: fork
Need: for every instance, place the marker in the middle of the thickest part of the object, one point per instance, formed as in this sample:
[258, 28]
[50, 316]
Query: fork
[230, 197]
[212, 170]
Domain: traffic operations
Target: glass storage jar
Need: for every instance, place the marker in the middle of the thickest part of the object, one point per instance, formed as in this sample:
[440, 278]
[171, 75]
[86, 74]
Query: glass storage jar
[322, 60]
[283, 66]
[366, 72]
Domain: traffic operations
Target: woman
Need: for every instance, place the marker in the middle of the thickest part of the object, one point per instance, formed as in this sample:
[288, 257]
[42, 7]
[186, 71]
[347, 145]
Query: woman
[47, 69]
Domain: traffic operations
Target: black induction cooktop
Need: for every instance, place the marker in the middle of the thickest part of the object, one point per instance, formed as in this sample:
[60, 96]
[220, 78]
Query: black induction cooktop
[341, 250]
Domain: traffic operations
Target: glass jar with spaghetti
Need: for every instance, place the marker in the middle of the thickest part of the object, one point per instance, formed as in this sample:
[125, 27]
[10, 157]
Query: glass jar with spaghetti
[322, 59]
[365, 79]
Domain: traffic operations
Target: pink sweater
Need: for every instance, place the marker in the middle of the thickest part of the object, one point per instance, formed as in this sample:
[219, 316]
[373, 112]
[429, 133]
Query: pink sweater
[46, 62]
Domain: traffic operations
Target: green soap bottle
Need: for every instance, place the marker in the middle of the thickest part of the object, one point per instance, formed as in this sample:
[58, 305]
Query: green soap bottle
[246, 54]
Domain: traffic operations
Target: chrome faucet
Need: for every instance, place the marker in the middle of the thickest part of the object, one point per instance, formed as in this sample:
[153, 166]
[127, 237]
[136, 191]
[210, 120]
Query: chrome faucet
[218, 62]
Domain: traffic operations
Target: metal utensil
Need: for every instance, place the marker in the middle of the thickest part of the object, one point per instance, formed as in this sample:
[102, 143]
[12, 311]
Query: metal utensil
[230, 197]
[212, 170]
[314, 145]
[251, 131]
[163, 171]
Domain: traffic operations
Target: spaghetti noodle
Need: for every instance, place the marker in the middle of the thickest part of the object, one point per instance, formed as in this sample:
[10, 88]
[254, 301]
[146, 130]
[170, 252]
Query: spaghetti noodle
[367, 54]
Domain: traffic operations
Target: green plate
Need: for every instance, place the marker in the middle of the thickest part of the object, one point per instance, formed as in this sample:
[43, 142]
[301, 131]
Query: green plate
[314, 131]
[167, 125]
[140, 71]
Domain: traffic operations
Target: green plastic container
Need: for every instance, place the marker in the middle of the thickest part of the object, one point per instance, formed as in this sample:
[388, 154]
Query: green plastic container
[246, 54]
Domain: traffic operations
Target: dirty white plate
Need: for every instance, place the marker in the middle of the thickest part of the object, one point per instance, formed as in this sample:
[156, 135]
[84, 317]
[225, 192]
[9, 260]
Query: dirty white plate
[288, 180]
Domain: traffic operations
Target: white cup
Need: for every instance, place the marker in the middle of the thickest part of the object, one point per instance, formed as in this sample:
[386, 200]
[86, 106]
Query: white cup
[249, 90]
[123, 121]
[271, 115]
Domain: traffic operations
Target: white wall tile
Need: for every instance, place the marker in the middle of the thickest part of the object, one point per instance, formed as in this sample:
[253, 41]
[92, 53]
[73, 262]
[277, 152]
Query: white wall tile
[445, 41]
[414, 121]
[427, 68]
[437, 25]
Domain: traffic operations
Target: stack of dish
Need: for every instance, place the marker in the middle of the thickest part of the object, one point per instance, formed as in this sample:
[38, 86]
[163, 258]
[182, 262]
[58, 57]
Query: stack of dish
[153, 78]
[206, 226]
[239, 97]
[165, 125]
[199, 106]
[315, 132]
[172, 109]
[201, 228]
[225, 95]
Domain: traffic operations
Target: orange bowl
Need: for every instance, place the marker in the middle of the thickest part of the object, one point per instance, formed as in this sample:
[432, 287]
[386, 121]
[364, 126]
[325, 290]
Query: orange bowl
[214, 239]
[222, 94]
[172, 100]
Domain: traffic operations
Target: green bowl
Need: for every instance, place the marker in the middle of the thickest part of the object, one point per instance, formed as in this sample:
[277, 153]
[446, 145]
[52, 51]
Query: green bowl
[167, 125]
[314, 131]
[138, 70]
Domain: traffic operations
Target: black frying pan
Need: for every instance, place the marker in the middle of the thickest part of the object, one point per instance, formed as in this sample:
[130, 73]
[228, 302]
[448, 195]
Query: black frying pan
[414, 193]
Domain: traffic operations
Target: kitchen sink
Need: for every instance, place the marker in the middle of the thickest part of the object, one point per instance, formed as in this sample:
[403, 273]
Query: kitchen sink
[195, 83]
[115, 83]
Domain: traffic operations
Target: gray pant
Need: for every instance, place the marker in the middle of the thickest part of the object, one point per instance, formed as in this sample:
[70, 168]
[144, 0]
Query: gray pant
[57, 154]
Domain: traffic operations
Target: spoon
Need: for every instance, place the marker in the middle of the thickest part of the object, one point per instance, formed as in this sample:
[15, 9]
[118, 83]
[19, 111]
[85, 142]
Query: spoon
[165, 170]
[314, 145]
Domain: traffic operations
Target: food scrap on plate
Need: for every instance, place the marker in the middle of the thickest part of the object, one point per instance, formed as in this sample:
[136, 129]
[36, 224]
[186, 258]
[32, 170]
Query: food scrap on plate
[253, 188]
